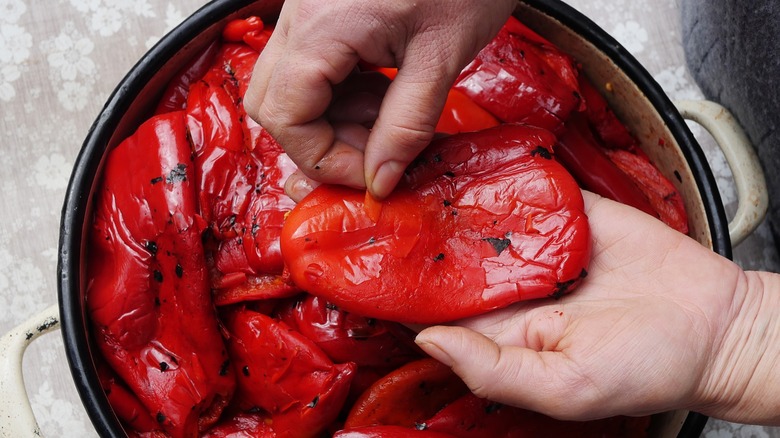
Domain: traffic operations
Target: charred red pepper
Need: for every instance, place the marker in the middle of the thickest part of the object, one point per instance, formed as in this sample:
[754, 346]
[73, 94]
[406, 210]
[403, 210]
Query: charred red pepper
[480, 221]
[660, 192]
[407, 396]
[161, 336]
[347, 337]
[284, 374]
[174, 97]
[240, 171]
[125, 404]
[581, 154]
[608, 128]
[521, 77]
[473, 417]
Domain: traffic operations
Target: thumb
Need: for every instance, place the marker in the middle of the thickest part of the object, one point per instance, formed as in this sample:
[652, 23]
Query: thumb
[405, 126]
[507, 374]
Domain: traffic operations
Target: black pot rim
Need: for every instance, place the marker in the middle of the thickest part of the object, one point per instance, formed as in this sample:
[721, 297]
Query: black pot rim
[76, 203]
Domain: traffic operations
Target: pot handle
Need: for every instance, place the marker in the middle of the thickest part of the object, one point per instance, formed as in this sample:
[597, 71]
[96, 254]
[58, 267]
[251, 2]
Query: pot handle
[17, 416]
[748, 175]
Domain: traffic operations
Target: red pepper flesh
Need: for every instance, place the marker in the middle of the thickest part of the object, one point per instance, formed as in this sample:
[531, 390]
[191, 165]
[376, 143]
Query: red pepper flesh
[480, 221]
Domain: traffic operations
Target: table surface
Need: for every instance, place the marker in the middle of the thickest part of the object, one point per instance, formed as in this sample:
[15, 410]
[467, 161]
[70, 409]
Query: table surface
[60, 60]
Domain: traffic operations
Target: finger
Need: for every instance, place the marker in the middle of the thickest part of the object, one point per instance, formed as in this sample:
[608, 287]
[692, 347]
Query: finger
[266, 63]
[359, 98]
[405, 126]
[539, 381]
[297, 94]
[298, 186]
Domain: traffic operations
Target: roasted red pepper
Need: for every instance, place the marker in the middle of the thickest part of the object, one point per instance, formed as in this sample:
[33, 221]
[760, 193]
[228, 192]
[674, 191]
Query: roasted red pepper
[174, 97]
[284, 374]
[582, 155]
[148, 294]
[346, 337]
[660, 192]
[480, 221]
[243, 425]
[250, 30]
[407, 396]
[125, 404]
[608, 128]
[461, 114]
[521, 77]
[240, 171]
[473, 417]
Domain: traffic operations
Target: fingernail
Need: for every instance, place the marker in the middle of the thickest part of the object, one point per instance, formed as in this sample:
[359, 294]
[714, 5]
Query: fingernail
[298, 186]
[386, 178]
[429, 346]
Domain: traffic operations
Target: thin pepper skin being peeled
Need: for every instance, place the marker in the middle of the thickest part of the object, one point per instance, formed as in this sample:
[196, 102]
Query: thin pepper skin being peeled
[148, 292]
[481, 220]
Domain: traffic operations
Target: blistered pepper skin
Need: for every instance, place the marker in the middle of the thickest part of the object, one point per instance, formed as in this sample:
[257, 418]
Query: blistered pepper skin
[480, 221]
[148, 294]
[284, 374]
[474, 417]
[521, 77]
[240, 171]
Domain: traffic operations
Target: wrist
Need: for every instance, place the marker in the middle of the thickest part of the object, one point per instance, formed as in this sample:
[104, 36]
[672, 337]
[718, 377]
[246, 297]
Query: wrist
[742, 381]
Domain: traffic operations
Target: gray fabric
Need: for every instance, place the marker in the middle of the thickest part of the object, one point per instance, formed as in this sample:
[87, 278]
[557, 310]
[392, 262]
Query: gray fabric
[732, 48]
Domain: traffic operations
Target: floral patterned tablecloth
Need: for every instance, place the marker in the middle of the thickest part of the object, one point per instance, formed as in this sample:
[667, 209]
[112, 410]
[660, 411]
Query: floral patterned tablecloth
[60, 60]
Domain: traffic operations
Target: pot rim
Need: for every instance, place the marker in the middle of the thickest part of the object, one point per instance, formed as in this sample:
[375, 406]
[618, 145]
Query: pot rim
[77, 197]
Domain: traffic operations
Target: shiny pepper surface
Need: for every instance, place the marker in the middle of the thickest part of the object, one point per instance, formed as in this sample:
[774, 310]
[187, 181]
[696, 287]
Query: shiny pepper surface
[521, 77]
[240, 171]
[479, 221]
[149, 296]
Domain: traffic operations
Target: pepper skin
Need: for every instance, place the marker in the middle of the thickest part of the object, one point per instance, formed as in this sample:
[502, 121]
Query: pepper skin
[148, 292]
[460, 113]
[660, 192]
[480, 221]
[174, 97]
[608, 128]
[521, 77]
[347, 337]
[473, 417]
[240, 172]
[284, 374]
[407, 396]
[582, 155]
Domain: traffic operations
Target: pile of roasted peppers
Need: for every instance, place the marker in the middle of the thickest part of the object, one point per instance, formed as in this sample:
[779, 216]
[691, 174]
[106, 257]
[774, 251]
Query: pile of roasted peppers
[223, 309]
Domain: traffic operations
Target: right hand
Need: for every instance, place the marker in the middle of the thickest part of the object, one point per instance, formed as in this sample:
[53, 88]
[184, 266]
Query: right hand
[298, 90]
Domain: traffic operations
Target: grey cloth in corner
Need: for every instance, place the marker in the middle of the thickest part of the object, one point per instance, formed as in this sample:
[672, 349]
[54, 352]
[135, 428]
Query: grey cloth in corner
[732, 48]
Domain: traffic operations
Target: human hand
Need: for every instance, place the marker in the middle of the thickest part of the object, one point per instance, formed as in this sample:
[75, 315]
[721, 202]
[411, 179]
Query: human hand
[660, 323]
[363, 137]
